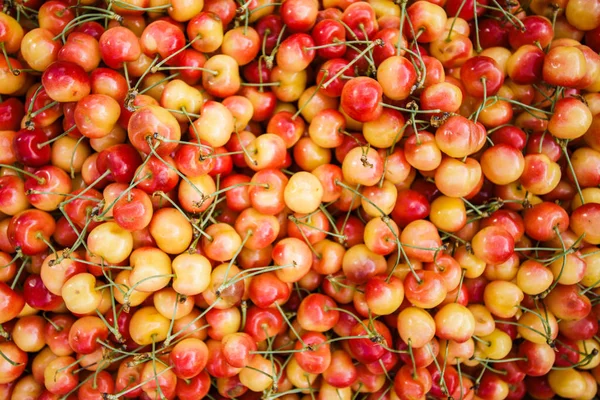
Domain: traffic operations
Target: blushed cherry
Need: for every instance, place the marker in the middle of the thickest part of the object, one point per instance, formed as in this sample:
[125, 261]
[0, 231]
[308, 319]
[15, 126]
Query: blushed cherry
[386, 130]
[111, 242]
[425, 289]
[364, 349]
[452, 49]
[428, 21]
[381, 235]
[493, 245]
[12, 33]
[361, 99]
[361, 20]
[533, 278]
[158, 380]
[207, 29]
[11, 370]
[39, 49]
[148, 121]
[384, 296]
[14, 199]
[422, 152]
[162, 38]
[565, 66]
[481, 75]
[421, 240]
[540, 174]
[491, 156]
[542, 221]
[458, 137]
[296, 52]
[503, 298]
[535, 29]
[317, 313]
[449, 168]
[397, 77]
[30, 230]
[576, 125]
[581, 222]
[81, 48]
[178, 95]
[65, 81]
[362, 166]
[96, 115]
[221, 76]
[327, 32]
[12, 302]
[80, 295]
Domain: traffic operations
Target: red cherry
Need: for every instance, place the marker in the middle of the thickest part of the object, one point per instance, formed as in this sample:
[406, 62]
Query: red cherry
[361, 99]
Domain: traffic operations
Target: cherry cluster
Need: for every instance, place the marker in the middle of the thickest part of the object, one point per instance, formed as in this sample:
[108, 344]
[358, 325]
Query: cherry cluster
[299, 200]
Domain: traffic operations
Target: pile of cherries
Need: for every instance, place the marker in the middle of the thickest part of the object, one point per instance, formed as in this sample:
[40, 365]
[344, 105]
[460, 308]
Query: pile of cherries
[299, 200]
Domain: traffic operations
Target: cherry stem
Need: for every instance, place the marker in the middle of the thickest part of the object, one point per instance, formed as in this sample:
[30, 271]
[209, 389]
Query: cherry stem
[442, 370]
[39, 180]
[156, 67]
[299, 221]
[54, 139]
[416, 111]
[485, 364]
[412, 359]
[127, 6]
[4, 333]
[11, 362]
[312, 95]
[105, 15]
[160, 82]
[483, 104]
[17, 255]
[261, 84]
[377, 42]
[15, 72]
[337, 42]
[583, 362]
[41, 110]
[510, 17]
[476, 19]
[401, 27]
[310, 246]
[563, 146]
[19, 272]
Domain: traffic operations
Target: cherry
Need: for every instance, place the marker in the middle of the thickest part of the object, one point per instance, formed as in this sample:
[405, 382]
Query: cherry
[11, 113]
[30, 230]
[30, 148]
[38, 296]
[481, 76]
[535, 29]
[12, 303]
[65, 81]
[120, 161]
[361, 99]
